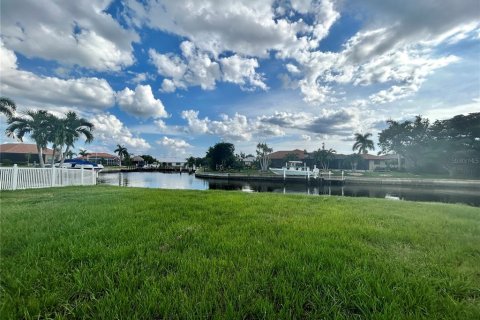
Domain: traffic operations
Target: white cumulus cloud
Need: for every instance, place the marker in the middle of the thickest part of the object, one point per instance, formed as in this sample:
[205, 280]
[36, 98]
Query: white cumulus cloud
[87, 94]
[110, 131]
[174, 146]
[141, 102]
[70, 32]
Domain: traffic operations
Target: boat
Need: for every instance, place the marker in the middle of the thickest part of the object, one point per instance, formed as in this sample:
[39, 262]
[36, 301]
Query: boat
[79, 164]
[295, 168]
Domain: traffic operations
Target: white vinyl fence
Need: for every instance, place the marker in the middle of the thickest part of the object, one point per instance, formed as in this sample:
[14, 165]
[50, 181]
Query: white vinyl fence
[14, 178]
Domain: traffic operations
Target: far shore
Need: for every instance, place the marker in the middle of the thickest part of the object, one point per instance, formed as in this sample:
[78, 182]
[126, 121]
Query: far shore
[348, 180]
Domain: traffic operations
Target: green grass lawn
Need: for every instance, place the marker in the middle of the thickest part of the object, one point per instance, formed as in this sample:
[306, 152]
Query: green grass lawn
[126, 253]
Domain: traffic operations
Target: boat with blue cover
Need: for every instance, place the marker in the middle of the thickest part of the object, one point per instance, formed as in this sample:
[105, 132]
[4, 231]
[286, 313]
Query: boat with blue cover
[79, 164]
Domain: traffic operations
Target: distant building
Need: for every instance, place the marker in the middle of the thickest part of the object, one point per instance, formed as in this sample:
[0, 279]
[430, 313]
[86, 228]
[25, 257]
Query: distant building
[382, 162]
[248, 161]
[369, 161]
[172, 162]
[102, 158]
[139, 161]
[22, 153]
[278, 158]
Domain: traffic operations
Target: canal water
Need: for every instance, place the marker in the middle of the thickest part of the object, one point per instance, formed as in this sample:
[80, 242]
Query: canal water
[186, 181]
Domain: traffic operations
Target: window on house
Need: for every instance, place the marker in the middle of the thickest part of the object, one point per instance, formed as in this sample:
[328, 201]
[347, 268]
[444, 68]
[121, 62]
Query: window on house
[376, 161]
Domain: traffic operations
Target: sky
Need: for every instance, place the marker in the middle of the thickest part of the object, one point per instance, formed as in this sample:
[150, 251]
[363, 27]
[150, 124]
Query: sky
[170, 78]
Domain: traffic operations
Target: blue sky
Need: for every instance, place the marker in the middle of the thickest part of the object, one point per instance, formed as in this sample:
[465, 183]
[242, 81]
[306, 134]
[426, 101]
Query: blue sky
[171, 78]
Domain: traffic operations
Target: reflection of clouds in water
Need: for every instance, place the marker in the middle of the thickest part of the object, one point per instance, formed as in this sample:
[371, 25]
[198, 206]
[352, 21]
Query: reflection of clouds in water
[186, 181]
[153, 180]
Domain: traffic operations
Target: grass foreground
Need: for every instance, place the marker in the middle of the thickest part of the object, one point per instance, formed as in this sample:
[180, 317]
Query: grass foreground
[125, 253]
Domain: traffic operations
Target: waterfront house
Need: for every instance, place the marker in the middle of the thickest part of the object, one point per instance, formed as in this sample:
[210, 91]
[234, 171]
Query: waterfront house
[339, 161]
[383, 162]
[172, 162]
[103, 158]
[22, 154]
[279, 158]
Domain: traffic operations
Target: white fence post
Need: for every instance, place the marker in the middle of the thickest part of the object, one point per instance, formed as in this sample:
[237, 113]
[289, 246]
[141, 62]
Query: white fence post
[15, 177]
[53, 176]
[93, 177]
[81, 176]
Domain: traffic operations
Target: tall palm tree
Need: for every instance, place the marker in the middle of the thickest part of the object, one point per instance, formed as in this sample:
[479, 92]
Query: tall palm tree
[83, 152]
[35, 123]
[363, 143]
[122, 153]
[57, 135]
[74, 128]
[7, 107]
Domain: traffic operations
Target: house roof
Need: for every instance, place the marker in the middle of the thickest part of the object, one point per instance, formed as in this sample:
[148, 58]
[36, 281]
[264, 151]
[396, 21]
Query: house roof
[251, 159]
[100, 155]
[280, 155]
[382, 157]
[137, 159]
[23, 148]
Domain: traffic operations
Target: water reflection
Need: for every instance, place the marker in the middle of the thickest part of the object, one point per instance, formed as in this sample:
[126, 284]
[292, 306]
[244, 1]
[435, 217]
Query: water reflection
[186, 181]
[153, 180]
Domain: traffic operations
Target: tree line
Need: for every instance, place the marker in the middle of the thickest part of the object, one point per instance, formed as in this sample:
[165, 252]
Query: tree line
[451, 145]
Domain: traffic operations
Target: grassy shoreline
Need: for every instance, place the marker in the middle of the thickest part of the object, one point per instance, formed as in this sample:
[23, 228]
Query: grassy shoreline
[107, 252]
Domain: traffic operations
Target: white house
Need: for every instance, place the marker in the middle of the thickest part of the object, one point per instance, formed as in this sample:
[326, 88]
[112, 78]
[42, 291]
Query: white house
[172, 162]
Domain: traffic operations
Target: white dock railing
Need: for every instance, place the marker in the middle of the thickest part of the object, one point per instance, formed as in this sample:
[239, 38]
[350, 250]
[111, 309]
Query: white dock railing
[14, 178]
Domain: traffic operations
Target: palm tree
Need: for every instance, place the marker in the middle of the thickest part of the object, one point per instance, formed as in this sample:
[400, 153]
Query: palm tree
[122, 152]
[323, 157]
[7, 107]
[74, 128]
[69, 154]
[190, 161]
[363, 143]
[83, 153]
[35, 123]
[56, 135]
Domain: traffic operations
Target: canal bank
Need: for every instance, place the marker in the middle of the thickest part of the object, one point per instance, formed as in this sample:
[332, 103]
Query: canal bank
[346, 180]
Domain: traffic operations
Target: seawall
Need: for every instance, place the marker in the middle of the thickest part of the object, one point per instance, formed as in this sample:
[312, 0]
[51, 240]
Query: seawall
[445, 183]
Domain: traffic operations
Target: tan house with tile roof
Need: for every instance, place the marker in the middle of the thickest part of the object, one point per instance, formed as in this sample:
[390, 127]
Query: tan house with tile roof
[102, 158]
[22, 153]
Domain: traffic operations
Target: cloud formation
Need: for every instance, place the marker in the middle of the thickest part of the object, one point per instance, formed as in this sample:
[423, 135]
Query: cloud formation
[174, 146]
[260, 25]
[198, 68]
[86, 93]
[396, 47]
[73, 33]
[236, 128]
[110, 131]
[141, 102]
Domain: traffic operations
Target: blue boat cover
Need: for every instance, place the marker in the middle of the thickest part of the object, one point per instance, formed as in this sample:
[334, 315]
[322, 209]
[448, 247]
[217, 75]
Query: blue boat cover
[80, 161]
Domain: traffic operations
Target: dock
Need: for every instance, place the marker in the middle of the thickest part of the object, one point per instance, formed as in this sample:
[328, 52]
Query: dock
[273, 178]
